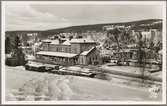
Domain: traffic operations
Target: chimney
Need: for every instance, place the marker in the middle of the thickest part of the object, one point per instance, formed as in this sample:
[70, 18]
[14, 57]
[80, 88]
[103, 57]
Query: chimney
[60, 41]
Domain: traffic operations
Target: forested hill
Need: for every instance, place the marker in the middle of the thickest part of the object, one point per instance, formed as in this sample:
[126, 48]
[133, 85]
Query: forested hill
[98, 27]
[141, 24]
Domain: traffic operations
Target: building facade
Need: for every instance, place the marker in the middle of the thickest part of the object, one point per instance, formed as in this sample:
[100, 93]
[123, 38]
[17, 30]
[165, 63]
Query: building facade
[69, 52]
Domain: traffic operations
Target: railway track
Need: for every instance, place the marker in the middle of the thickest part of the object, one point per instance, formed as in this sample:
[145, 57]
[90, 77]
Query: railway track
[126, 75]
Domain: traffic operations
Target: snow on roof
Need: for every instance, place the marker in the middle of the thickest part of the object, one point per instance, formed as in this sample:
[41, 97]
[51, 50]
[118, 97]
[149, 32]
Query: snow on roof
[86, 52]
[56, 54]
[35, 64]
[54, 41]
[47, 40]
[124, 50]
[49, 65]
[82, 41]
[67, 42]
[132, 45]
[74, 68]
[63, 38]
[30, 57]
[25, 47]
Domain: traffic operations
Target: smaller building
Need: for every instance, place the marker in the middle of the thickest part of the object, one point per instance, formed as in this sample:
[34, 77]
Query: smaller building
[90, 56]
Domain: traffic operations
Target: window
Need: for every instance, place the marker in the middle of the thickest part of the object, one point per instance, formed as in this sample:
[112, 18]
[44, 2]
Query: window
[75, 50]
[57, 49]
[60, 49]
[66, 50]
[69, 50]
[82, 60]
[95, 57]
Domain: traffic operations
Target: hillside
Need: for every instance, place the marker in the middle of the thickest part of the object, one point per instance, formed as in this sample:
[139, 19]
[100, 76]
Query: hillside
[98, 27]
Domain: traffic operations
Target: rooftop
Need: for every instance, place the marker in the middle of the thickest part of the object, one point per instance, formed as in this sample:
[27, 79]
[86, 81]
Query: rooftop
[82, 41]
[67, 42]
[54, 41]
[56, 54]
[47, 41]
[87, 52]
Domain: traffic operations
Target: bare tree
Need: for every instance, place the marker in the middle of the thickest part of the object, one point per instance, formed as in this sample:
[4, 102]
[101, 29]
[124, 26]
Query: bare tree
[7, 45]
[119, 36]
[141, 58]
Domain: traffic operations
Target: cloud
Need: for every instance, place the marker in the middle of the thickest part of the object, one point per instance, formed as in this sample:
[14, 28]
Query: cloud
[29, 16]
[24, 17]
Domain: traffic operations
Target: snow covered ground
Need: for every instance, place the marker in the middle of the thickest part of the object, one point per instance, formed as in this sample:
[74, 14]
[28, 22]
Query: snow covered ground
[130, 69]
[30, 86]
[127, 69]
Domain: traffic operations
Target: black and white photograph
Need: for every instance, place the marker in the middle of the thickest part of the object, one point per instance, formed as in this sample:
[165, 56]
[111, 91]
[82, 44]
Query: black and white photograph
[83, 52]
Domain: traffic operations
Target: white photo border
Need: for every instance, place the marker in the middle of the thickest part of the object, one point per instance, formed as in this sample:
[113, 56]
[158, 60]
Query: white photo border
[163, 3]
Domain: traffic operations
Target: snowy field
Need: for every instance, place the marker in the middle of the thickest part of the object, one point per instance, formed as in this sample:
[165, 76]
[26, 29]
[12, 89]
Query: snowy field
[130, 69]
[31, 86]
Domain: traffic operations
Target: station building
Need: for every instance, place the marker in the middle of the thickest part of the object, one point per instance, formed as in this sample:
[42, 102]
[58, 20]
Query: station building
[69, 52]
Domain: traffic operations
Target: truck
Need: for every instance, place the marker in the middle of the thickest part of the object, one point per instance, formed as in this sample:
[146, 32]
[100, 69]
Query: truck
[35, 67]
[65, 71]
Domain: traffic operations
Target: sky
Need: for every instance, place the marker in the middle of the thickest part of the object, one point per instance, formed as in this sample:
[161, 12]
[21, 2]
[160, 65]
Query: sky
[29, 16]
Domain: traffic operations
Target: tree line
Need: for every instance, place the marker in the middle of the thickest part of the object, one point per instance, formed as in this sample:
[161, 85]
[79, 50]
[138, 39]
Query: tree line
[13, 48]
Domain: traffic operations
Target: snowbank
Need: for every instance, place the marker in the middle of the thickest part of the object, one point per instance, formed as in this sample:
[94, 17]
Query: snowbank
[35, 86]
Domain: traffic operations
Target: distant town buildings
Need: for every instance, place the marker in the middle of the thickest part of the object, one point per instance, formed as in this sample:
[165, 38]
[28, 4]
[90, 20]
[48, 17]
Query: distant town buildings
[152, 35]
[70, 48]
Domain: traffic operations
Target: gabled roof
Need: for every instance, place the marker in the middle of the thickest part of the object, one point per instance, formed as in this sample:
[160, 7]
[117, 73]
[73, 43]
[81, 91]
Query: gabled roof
[87, 52]
[67, 42]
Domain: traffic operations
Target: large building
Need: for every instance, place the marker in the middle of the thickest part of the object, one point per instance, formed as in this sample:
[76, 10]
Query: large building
[153, 35]
[69, 52]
